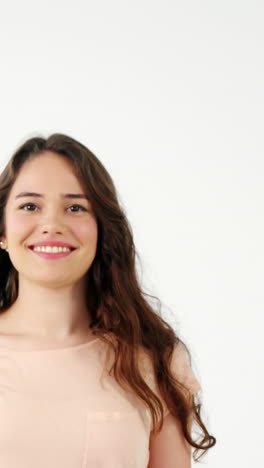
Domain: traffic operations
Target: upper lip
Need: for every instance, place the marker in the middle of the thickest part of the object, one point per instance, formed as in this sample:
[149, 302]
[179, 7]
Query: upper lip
[52, 244]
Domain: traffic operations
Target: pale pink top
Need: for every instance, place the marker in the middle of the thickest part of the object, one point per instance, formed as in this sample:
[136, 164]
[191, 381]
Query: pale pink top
[58, 410]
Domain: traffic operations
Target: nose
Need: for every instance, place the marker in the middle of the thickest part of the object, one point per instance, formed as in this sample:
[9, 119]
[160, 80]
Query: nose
[51, 228]
[52, 222]
[50, 231]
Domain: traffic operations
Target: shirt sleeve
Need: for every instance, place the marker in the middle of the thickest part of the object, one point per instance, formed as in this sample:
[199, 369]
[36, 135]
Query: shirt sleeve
[169, 448]
[183, 372]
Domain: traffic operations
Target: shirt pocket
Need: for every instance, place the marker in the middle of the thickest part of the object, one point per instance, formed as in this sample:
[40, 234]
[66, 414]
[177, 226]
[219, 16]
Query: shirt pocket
[116, 438]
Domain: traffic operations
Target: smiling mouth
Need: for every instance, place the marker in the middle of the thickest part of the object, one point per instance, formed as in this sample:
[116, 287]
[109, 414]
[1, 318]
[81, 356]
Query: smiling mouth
[52, 255]
[32, 248]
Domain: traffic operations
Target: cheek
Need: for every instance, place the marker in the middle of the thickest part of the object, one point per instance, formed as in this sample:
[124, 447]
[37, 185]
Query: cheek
[16, 225]
[88, 230]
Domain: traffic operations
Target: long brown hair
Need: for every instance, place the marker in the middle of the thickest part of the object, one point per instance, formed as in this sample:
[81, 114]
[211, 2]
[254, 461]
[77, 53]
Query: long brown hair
[118, 305]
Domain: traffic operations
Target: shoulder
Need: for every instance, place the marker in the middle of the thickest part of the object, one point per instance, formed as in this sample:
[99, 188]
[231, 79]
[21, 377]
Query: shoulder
[179, 366]
[182, 369]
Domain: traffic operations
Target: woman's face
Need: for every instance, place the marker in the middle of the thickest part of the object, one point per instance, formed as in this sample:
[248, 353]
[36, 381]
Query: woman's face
[31, 219]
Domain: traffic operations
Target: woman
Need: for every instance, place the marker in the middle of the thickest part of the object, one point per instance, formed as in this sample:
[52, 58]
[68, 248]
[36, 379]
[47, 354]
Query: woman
[91, 375]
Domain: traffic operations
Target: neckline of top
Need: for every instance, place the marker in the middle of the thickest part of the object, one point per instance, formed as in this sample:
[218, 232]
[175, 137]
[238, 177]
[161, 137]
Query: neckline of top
[50, 350]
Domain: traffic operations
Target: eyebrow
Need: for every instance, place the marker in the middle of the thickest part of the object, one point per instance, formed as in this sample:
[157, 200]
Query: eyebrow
[63, 195]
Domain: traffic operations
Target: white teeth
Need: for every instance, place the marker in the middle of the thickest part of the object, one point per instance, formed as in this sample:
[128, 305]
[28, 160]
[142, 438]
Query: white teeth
[51, 249]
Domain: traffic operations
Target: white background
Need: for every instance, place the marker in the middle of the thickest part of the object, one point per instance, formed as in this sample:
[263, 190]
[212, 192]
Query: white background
[169, 96]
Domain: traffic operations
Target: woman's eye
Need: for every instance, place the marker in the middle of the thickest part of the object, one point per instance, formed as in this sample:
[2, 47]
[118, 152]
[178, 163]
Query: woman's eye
[33, 204]
[27, 204]
[79, 206]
